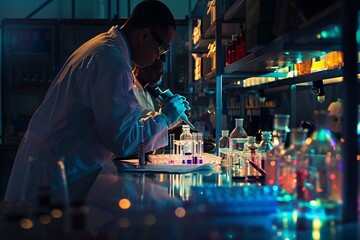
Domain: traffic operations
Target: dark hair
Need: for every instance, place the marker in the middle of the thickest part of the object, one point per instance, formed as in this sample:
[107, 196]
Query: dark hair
[151, 14]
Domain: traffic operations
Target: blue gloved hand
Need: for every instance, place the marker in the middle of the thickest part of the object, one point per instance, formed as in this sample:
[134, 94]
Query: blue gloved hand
[173, 107]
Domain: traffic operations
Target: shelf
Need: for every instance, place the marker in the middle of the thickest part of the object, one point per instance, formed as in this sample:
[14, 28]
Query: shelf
[318, 35]
[210, 75]
[276, 54]
[202, 45]
[196, 83]
[234, 107]
[302, 43]
[210, 78]
[236, 11]
[327, 74]
[228, 29]
[259, 107]
[310, 32]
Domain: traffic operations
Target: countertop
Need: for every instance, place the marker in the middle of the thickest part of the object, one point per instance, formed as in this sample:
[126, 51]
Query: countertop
[138, 205]
[162, 207]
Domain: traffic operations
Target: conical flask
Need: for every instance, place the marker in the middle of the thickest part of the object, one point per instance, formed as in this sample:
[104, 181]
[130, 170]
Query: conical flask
[238, 136]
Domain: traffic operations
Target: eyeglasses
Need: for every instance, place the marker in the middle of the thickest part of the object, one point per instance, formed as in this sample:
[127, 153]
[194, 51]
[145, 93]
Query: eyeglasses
[163, 48]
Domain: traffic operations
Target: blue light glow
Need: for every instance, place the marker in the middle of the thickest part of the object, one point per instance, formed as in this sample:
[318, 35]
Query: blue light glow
[334, 32]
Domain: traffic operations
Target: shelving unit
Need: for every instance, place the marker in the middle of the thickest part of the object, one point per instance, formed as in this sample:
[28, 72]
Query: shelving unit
[30, 53]
[33, 52]
[318, 35]
[324, 32]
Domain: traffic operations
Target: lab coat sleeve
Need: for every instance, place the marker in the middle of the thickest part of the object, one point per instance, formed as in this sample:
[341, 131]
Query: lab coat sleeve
[117, 112]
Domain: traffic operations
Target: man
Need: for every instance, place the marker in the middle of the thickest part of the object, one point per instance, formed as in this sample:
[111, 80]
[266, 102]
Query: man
[148, 75]
[90, 113]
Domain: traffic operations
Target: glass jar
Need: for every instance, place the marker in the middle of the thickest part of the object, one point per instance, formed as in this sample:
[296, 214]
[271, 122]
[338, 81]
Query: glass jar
[287, 171]
[238, 136]
[186, 140]
[323, 153]
[224, 144]
[273, 156]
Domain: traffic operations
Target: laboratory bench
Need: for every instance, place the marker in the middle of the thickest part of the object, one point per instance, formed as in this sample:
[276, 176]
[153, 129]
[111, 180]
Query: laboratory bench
[203, 204]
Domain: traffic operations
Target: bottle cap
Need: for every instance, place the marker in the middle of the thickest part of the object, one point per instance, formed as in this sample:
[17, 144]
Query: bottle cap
[185, 127]
[251, 139]
[281, 121]
[239, 122]
[225, 132]
[266, 134]
[298, 136]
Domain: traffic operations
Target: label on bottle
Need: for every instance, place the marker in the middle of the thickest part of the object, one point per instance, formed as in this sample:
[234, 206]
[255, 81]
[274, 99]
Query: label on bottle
[238, 143]
[187, 148]
[223, 152]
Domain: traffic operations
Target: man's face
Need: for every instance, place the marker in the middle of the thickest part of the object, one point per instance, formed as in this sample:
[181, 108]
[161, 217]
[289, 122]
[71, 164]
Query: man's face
[153, 44]
[150, 74]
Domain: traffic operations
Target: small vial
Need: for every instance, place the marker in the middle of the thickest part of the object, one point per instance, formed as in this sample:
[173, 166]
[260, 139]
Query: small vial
[195, 147]
[186, 139]
[141, 151]
[171, 143]
[224, 144]
[201, 147]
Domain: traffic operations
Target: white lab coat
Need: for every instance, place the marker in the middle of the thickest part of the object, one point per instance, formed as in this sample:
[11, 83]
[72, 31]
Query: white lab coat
[89, 114]
[144, 99]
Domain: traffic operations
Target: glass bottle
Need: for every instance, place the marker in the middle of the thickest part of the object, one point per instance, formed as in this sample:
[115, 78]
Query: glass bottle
[323, 153]
[224, 144]
[258, 134]
[201, 147]
[265, 143]
[186, 142]
[242, 41]
[264, 146]
[228, 53]
[281, 122]
[238, 136]
[195, 147]
[287, 172]
[281, 128]
[233, 49]
[251, 159]
[237, 48]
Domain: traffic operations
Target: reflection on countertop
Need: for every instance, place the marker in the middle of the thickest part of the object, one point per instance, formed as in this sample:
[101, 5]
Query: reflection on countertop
[204, 204]
[159, 206]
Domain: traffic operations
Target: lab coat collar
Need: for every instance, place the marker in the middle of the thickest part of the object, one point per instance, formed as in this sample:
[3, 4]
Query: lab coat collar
[123, 44]
[137, 84]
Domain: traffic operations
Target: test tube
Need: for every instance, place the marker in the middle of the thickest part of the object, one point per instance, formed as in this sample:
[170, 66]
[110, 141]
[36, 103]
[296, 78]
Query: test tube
[195, 151]
[171, 143]
[195, 144]
[200, 147]
[141, 145]
[201, 143]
